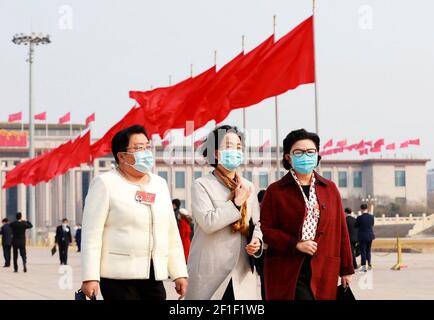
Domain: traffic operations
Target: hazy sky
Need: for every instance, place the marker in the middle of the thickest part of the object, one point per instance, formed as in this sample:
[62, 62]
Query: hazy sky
[375, 60]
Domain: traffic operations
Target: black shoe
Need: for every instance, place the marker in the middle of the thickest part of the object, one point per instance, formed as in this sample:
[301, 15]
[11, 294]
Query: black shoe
[6, 266]
[16, 270]
[25, 269]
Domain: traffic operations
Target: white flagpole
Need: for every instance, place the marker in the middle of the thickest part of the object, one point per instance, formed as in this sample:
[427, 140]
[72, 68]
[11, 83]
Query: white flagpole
[316, 78]
[276, 112]
[192, 138]
[46, 125]
[243, 38]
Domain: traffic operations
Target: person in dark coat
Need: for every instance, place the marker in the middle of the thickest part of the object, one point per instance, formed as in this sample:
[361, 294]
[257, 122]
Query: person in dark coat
[304, 227]
[365, 224]
[352, 231]
[77, 237]
[176, 204]
[63, 239]
[19, 228]
[6, 233]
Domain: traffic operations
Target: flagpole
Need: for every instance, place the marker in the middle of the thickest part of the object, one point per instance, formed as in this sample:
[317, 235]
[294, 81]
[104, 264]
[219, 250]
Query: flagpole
[276, 112]
[192, 138]
[70, 128]
[316, 78]
[243, 39]
[46, 126]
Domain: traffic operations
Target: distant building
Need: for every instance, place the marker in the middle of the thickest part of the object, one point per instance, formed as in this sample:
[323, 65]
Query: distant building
[399, 180]
[430, 180]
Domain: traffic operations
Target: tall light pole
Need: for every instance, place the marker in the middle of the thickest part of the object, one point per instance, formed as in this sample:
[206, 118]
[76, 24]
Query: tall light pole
[31, 40]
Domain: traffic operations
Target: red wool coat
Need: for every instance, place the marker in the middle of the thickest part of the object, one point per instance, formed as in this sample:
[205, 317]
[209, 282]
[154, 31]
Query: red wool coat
[185, 233]
[282, 216]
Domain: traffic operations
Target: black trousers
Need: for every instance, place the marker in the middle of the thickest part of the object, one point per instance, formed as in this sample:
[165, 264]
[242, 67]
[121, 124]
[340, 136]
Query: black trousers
[365, 251]
[21, 247]
[303, 290]
[7, 254]
[353, 252]
[229, 294]
[141, 289]
[63, 253]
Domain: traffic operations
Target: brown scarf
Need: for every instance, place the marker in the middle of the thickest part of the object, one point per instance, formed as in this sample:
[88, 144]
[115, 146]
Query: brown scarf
[240, 225]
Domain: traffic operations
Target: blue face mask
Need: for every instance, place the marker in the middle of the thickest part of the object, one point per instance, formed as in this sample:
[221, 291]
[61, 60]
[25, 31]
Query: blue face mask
[231, 159]
[304, 164]
[144, 161]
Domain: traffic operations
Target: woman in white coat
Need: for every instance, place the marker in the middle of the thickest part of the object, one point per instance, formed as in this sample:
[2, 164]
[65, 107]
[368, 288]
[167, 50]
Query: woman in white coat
[227, 235]
[130, 239]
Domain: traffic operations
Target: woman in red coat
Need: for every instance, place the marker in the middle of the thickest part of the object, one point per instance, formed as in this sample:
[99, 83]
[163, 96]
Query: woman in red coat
[185, 231]
[304, 226]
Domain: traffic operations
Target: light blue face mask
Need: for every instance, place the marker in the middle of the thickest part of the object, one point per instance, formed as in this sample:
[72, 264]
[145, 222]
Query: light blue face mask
[304, 164]
[144, 161]
[231, 159]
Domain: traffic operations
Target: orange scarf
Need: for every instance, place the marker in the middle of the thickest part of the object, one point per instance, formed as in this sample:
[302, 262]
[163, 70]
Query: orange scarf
[240, 225]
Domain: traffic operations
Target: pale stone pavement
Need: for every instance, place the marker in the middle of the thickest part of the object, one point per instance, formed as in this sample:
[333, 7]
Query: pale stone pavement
[46, 279]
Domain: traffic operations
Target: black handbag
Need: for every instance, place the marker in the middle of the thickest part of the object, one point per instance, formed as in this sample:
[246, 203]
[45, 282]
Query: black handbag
[79, 295]
[345, 294]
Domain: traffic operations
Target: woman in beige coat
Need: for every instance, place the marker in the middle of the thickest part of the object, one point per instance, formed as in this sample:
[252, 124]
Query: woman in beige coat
[227, 236]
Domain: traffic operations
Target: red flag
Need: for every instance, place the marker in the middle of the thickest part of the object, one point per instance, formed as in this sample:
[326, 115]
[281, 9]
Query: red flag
[288, 64]
[360, 145]
[182, 101]
[15, 117]
[415, 142]
[362, 152]
[351, 147]
[103, 146]
[15, 176]
[341, 143]
[368, 143]
[390, 146]
[338, 150]
[379, 143]
[65, 119]
[326, 152]
[404, 144]
[265, 145]
[376, 149]
[90, 119]
[199, 142]
[41, 116]
[328, 144]
[79, 151]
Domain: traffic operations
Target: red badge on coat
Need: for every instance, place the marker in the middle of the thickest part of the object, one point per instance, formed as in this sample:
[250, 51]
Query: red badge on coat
[144, 197]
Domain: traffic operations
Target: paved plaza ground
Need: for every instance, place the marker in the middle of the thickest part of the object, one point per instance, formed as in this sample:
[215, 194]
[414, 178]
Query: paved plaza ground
[46, 279]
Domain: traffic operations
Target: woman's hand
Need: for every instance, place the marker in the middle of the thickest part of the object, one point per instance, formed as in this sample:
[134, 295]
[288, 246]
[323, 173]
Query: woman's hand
[253, 246]
[90, 288]
[346, 280]
[307, 246]
[242, 193]
[181, 285]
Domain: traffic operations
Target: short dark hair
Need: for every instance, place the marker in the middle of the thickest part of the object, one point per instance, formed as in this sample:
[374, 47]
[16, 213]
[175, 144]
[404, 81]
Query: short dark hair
[214, 140]
[19, 215]
[5, 220]
[64, 219]
[363, 206]
[292, 138]
[261, 195]
[177, 203]
[348, 210]
[122, 138]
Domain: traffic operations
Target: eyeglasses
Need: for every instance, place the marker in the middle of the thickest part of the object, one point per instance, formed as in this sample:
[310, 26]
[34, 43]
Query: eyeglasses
[309, 152]
[147, 147]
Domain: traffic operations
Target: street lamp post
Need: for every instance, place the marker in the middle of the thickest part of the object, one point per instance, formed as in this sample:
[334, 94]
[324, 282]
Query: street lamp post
[31, 40]
[370, 200]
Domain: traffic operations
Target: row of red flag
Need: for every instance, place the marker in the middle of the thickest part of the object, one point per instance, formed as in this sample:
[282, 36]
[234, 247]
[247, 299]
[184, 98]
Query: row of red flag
[43, 117]
[270, 69]
[365, 147]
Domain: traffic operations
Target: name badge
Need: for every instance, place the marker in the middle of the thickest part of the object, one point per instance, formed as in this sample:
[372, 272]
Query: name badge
[145, 197]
